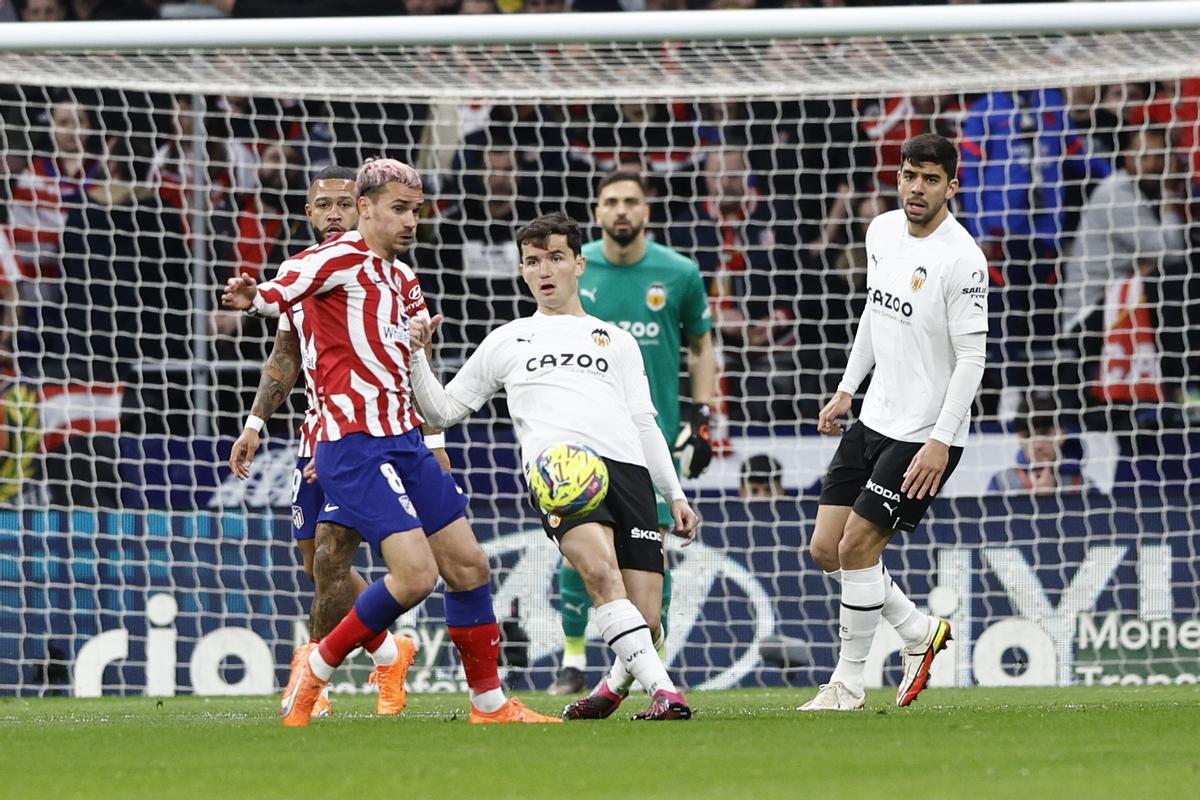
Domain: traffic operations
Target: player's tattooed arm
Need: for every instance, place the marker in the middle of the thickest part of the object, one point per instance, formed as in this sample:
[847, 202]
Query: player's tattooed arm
[278, 377]
[279, 374]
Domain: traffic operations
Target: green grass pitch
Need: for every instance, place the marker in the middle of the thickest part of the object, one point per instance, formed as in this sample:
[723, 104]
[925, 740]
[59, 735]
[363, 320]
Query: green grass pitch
[1129, 743]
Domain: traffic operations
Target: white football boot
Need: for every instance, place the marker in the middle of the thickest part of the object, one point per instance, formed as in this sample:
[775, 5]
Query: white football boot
[835, 696]
[918, 658]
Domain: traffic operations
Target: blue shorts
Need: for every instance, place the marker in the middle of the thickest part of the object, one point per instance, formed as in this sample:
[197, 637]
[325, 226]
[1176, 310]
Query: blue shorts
[307, 501]
[380, 485]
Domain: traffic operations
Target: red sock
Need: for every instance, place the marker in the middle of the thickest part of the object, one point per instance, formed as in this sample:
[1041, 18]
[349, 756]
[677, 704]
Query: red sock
[479, 648]
[347, 635]
[373, 644]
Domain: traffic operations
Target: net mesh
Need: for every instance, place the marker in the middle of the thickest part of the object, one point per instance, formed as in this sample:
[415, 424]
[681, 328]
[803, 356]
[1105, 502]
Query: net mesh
[1063, 550]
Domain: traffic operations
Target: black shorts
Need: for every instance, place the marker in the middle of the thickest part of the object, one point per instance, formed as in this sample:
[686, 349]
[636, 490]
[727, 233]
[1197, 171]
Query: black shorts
[866, 473]
[630, 509]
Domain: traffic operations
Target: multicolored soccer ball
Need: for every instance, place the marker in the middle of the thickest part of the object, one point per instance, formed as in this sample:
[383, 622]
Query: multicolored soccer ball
[568, 480]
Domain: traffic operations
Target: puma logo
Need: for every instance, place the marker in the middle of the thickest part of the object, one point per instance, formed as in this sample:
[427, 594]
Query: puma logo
[891, 508]
[576, 608]
[590, 294]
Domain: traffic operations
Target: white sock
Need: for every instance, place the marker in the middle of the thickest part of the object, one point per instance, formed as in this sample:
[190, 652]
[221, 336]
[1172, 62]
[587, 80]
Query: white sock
[862, 601]
[319, 666]
[620, 679]
[387, 653]
[488, 701]
[578, 662]
[625, 630]
[902, 614]
[899, 612]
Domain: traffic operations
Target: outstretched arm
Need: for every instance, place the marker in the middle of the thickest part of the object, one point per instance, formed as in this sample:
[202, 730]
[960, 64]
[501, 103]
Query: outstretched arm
[438, 408]
[278, 378]
[297, 280]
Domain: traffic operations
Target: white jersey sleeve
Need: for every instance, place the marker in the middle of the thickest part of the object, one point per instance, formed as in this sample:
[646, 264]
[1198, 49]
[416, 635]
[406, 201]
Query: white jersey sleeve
[965, 290]
[437, 407]
[633, 377]
[479, 377]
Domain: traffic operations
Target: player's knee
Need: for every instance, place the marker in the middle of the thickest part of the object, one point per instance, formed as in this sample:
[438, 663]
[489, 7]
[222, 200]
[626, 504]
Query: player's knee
[424, 582]
[320, 567]
[653, 621]
[467, 572]
[859, 547]
[604, 584]
[338, 546]
[825, 554]
[415, 581]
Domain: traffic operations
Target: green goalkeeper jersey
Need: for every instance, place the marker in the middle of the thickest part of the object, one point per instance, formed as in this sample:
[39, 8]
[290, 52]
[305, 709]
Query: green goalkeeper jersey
[659, 300]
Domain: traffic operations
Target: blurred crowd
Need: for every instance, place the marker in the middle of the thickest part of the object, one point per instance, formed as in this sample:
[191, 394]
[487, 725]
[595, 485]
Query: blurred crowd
[124, 210]
[58, 10]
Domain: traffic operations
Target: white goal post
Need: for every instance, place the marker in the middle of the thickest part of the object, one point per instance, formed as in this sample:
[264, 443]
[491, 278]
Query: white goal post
[145, 161]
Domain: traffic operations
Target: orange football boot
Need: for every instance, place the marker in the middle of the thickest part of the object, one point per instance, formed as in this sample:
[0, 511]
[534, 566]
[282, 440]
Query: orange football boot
[299, 656]
[323, 708]
[298, 705]
[512, 711]
[393, 697]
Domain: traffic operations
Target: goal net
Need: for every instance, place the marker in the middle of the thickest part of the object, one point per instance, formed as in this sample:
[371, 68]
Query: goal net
[137, 180]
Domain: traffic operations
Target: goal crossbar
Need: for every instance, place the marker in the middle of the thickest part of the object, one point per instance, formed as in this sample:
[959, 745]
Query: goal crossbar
[897, 21]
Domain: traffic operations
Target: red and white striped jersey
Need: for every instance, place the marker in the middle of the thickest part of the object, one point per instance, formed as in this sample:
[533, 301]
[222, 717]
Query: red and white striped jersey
[294, 320]
[355, 308]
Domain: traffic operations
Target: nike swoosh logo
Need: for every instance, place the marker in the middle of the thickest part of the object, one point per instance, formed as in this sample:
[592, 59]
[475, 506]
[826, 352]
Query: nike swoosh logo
[331, 507]
[494, 642]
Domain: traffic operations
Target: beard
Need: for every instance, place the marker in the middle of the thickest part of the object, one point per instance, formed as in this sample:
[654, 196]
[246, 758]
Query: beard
[623, 238]
[318, 234]
[931, 211]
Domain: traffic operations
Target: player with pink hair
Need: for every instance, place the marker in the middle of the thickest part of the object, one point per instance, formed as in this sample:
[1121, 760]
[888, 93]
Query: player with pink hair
[378, 475]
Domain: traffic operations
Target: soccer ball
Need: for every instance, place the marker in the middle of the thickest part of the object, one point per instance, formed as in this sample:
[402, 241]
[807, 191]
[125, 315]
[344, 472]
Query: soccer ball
[568, 480]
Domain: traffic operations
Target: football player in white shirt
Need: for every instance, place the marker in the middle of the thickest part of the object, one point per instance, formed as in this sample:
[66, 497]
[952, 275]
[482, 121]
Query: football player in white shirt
[573, 377]
[924, 331]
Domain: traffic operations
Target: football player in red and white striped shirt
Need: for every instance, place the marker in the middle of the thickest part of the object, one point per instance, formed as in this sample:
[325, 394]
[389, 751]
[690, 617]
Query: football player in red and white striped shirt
[373, 465]
[331, 210]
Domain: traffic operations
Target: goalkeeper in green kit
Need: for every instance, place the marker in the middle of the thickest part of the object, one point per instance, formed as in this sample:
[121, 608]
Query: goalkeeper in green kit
[658, 296]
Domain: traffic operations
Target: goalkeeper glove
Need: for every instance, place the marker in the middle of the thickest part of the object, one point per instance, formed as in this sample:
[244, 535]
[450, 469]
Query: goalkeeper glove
[693, 447]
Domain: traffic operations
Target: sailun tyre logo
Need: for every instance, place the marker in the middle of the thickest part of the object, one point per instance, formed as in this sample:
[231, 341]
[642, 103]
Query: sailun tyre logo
[701, 576]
